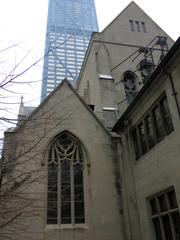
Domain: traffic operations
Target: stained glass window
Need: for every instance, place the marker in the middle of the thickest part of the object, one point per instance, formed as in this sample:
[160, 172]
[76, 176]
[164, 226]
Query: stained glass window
[130, 86]
[65, 203]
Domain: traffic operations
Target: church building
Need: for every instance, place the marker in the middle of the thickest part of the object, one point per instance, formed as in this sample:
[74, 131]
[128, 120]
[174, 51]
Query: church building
[102, 160]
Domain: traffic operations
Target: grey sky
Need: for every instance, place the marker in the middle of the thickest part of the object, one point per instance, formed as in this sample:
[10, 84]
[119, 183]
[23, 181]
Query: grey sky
[21, 18]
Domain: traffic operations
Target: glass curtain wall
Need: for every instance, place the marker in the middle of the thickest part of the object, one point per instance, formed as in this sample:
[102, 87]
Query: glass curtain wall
[70, 25]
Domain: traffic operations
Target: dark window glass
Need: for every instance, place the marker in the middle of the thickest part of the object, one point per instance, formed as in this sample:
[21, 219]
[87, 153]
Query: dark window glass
[142, 137]
[78, 194]
[158, 124]
[167, 227]
[138, 26]
[79, 212]
[52, 212]
[135, 143]
[166, 116]
[150, 132]
[66, 212]
[91, 107]
[157, 229]
[165, 216]
[65, 173]
[52, 195]
[130, 86]
[65, 193]
[143, 27]
[162, 203]
[176, 224]
[172, 199]
[131, 25]
[65, 198]
[154, 127]
[153, 206]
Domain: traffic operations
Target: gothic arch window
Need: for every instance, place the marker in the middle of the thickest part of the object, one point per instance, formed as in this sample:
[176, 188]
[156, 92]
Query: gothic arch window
[65, 198]
[130, 86]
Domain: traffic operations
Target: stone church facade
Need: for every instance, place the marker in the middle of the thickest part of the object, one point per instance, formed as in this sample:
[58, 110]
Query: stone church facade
[102, 161]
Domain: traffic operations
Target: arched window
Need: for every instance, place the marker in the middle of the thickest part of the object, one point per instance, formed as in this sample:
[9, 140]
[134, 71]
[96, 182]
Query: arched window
[130, 86]
[146, 68]
[65, 203]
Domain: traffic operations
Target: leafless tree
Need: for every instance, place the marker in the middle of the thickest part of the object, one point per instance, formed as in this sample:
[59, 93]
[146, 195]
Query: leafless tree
[21, 161]
[21, 168]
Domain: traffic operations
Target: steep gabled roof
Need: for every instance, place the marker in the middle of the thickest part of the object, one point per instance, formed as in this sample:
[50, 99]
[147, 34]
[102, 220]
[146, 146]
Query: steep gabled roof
[118, 15]
[58, 89]
[96, 37]
[125, 9]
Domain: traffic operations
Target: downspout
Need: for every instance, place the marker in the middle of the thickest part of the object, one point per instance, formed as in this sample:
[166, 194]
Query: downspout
[174, 91]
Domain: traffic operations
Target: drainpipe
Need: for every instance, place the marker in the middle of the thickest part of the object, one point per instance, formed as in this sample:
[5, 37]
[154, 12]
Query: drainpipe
[174, 92]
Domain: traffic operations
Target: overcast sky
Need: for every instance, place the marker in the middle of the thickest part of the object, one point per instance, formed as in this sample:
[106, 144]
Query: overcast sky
[164, 12]
[25, 21]
[21, 18]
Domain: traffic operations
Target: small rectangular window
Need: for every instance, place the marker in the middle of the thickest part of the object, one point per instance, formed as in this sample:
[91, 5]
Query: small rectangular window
[158, 123]
[143, 27]
[154, 127]
[166, 116]
[150, 131]
[138, 26]
[142, 135]
[165, 215]
[135, 143]
[131, 25]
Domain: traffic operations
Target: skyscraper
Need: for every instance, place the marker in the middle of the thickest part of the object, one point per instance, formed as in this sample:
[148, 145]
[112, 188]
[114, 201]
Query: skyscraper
[70, 24]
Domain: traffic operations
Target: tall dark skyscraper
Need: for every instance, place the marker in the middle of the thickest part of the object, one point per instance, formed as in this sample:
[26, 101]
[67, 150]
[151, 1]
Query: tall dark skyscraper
[69, 27]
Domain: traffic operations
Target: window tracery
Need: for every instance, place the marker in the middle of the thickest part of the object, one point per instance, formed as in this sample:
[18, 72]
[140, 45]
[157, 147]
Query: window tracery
[65, 203]
[130, 86]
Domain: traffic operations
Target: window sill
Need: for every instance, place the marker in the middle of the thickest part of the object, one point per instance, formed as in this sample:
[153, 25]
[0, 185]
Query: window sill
[65, 227]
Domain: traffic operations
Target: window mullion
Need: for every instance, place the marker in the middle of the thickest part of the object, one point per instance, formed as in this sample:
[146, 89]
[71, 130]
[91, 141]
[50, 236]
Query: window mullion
[139, 141]
[170, 217]
[65, 152]
[160, 219]
[72, 194]
[162, 228]
[146, 137]
[153, 127]
[59, 194]
[162, 119]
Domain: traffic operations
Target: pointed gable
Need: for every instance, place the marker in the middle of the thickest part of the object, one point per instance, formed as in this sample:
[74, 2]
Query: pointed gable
[62, 110]
[133, 26]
